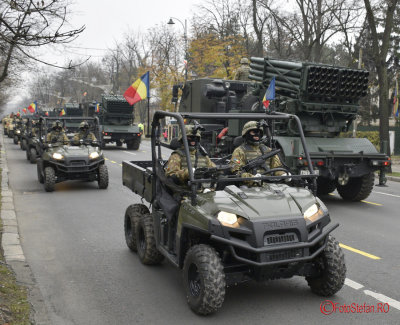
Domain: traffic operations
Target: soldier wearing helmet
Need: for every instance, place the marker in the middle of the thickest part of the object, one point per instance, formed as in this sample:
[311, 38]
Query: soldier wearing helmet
[250, 149]
[177, 164]
[57, 135]
[243, 72]
[83, 134]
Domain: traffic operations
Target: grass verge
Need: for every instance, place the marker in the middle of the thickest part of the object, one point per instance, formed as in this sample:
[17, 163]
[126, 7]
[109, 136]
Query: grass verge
[14, 305]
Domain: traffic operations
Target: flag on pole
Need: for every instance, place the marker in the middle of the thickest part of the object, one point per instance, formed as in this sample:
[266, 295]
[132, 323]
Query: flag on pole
[396, 101]
[24, 110]
[139, 90]
[46, 113]
[269, 94]
[32, 107]
[62, 113]
[97, 110]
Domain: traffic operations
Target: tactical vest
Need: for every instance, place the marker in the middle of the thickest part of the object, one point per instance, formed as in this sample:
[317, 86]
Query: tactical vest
[201, 160]
[253, 152]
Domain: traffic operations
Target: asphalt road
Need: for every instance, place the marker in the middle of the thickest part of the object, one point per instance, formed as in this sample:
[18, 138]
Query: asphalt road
[74, 243]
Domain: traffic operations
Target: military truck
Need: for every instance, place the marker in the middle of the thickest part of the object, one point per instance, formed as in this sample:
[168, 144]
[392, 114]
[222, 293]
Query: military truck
[58, 163]
[325, 98]
[219, 231]
[116, 123]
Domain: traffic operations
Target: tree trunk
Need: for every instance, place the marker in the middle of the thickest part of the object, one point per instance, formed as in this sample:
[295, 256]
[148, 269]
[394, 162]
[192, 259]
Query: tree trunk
[383, 107]
[258, 31]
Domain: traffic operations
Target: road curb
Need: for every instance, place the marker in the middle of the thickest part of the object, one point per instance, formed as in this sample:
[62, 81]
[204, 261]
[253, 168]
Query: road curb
[12, 248]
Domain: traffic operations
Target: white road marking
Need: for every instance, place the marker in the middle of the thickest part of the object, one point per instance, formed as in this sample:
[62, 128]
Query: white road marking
[131, 153]
[386, 194]
[383, 298]
[353, 284]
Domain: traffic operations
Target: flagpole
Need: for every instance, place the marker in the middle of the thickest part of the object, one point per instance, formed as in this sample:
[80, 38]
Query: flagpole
[148, 109]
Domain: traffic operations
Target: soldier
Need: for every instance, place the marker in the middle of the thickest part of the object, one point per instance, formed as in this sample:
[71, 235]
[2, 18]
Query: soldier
[243, 72]
[250, 149]
[57, 135]
[83, 134]
[177, 164]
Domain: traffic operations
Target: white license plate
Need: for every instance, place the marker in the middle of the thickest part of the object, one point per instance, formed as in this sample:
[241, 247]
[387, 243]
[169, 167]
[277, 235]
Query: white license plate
[307, 172]
[107, 137]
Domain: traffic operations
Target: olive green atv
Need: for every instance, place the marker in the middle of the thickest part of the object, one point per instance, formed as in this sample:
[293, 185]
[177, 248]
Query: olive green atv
[58, 163]
[220, 232]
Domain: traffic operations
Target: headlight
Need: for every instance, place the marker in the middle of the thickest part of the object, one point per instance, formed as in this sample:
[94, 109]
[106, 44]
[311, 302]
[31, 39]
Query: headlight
[94, 155]
[313, 213]
[18, 131]
[228, 219]
[57, 156]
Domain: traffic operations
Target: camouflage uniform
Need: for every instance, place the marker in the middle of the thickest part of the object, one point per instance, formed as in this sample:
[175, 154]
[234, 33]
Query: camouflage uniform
[83, 134]
[249, 151]
[57, 136]
[243, 72]
[177, 162]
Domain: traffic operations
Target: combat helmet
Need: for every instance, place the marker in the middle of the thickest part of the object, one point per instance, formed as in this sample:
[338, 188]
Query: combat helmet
[84, 125]
[244, 61]
[249, 138]
[57, 124]
[189, 129]
[251, 125]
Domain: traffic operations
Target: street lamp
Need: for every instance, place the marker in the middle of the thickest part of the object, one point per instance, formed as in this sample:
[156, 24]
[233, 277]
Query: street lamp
[184, 25]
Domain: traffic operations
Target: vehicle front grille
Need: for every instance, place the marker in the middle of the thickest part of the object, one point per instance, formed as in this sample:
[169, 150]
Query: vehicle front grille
[78, 163]
[284, 255]
[276, 239]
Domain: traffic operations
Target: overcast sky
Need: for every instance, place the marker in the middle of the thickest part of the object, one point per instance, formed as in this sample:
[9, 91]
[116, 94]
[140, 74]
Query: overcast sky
[107, 21]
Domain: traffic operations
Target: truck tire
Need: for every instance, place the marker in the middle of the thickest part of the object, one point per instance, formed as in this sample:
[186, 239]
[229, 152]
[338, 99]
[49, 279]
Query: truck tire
[15, 140]
[132, 216]
[250, 102]
[332, 269]
[133, 144]
[49, 179]
[325, 185]
[32, 155]
[146, 241]
[103, 177]
[358, 188]
[39, 174]
[204, 279]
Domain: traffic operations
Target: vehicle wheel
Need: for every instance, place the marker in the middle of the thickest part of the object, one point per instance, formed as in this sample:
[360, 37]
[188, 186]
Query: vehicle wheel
[49, 179]
[250, 102]
[103, 177]
[119, 143]
[325, 185]
[332, 269]
[27, 152]
[39, 174]
[133, 144]
[32, 155]
[132, 216]
[204, 279]
[358, 188]
[15, 140]
[146, 241]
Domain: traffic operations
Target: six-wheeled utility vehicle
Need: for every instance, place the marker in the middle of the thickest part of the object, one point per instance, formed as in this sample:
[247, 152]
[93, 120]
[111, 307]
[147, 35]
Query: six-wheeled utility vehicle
[220, 231]
[58, 163]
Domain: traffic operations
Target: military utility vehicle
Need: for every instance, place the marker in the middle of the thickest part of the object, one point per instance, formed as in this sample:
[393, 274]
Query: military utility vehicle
[58, 163]
[30, 139]
[116, 122]
[325, 98]
[221, 232]
[18, 129]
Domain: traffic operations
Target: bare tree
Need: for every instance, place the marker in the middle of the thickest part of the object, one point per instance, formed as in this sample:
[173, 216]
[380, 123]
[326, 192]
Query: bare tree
[26, 25]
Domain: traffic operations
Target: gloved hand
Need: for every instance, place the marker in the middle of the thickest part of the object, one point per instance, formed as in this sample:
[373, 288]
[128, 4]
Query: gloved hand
[259, 180]
[287, 180]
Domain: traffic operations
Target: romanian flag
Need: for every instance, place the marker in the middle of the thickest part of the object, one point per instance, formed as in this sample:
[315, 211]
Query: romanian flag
[46, 113]
[24, 110]
[396, 101]
[18, 114]
[62, 113]
[32, 107]
[139, 90]
[269, 94]
[97, 109]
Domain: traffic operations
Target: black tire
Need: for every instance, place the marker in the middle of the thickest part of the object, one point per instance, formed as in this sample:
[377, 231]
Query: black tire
[32, 155]
[133, 144]
[49, 179]
[204, 279]
[27, 152]
[15, 140]
[24, 144]
[325, 185]
[358, 188]
[39, 174]
[103, 177]
[146, 241]
[250, 102]
[333, 270]
[132, 216]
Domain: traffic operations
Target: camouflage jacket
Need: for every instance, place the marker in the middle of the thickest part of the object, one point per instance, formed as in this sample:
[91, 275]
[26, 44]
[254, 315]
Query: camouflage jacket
[59, 138]
[246, 152]
[89, 136]
[177, 165]
[243, 73]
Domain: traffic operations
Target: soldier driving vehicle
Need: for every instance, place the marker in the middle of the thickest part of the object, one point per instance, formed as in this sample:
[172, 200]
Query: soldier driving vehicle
[84, 134]
[31, 139]
[220, 232]
[58, 161]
